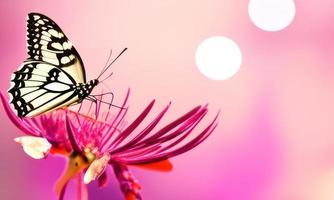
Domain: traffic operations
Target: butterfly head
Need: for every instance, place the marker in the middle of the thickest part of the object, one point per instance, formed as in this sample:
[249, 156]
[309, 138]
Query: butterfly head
[94, 82]
[90, 85]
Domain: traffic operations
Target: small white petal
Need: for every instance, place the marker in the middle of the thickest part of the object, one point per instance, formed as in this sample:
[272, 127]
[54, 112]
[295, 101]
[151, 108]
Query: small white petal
[96, 168]
[35, 147]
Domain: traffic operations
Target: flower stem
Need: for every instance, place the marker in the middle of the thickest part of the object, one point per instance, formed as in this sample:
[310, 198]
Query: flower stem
[82, 193]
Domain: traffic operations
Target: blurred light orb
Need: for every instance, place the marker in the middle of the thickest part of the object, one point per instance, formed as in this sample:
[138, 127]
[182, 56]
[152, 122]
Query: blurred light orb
[271, 15]
[218, 58]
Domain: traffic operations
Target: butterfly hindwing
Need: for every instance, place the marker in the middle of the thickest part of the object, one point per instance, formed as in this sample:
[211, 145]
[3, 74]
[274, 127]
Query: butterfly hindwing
[47, 42]
[38, 87]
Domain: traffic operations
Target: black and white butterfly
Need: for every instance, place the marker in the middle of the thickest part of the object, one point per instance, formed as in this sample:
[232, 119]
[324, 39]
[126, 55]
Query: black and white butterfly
[53, 76]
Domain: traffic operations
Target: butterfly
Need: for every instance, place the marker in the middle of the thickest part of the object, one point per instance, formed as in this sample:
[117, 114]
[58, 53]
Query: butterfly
[53, 76]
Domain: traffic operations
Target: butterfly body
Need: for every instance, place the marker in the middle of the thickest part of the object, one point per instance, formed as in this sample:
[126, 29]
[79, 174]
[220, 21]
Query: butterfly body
[53, 75]
[84, 89]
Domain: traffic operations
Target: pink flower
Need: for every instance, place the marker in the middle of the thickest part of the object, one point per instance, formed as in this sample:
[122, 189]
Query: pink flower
[91, 144]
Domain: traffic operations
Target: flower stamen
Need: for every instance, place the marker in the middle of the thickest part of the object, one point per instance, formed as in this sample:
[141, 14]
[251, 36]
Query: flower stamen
[76, 164]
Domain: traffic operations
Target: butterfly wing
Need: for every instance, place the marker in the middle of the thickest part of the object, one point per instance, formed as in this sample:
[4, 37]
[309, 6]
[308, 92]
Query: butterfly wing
[38, 87]
[47, 79]
[46, 42]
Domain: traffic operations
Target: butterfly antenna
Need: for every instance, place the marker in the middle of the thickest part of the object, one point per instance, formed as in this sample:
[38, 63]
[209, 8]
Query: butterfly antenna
[107, 77]
[106, 68]
[95, 100]
[110, 53]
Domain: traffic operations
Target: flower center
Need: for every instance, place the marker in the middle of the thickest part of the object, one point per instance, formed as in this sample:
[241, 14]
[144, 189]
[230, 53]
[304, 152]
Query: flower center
[77, 162]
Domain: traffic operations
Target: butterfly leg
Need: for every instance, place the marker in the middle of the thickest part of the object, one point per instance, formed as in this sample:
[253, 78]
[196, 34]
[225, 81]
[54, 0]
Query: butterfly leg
[108, 103]
[94, 101]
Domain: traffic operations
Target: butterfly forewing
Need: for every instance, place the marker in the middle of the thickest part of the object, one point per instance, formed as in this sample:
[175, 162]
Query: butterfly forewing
[47, 42]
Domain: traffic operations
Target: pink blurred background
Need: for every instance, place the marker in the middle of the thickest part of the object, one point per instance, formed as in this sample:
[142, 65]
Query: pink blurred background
[276, 133]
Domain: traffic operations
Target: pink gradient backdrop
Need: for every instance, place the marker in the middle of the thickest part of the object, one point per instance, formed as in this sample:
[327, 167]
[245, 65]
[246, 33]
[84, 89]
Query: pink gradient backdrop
[276, 135]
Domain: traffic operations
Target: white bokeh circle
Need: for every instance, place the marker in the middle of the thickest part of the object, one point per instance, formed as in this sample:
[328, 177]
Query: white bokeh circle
[218, 58]
[271, 15]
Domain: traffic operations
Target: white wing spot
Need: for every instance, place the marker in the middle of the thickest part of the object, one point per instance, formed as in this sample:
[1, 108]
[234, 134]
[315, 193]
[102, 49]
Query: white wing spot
[43, 42]
[36, 17]
[46, 38]
[43, 47]
[58, 87]
[67, 45]
[57, 45]
[26, 70]
[65, 60]
[41, 22]
[46, 33]
[53, 32]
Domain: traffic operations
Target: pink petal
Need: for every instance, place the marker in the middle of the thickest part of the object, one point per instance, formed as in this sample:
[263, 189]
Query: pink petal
[71, 137]
[19, 123]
